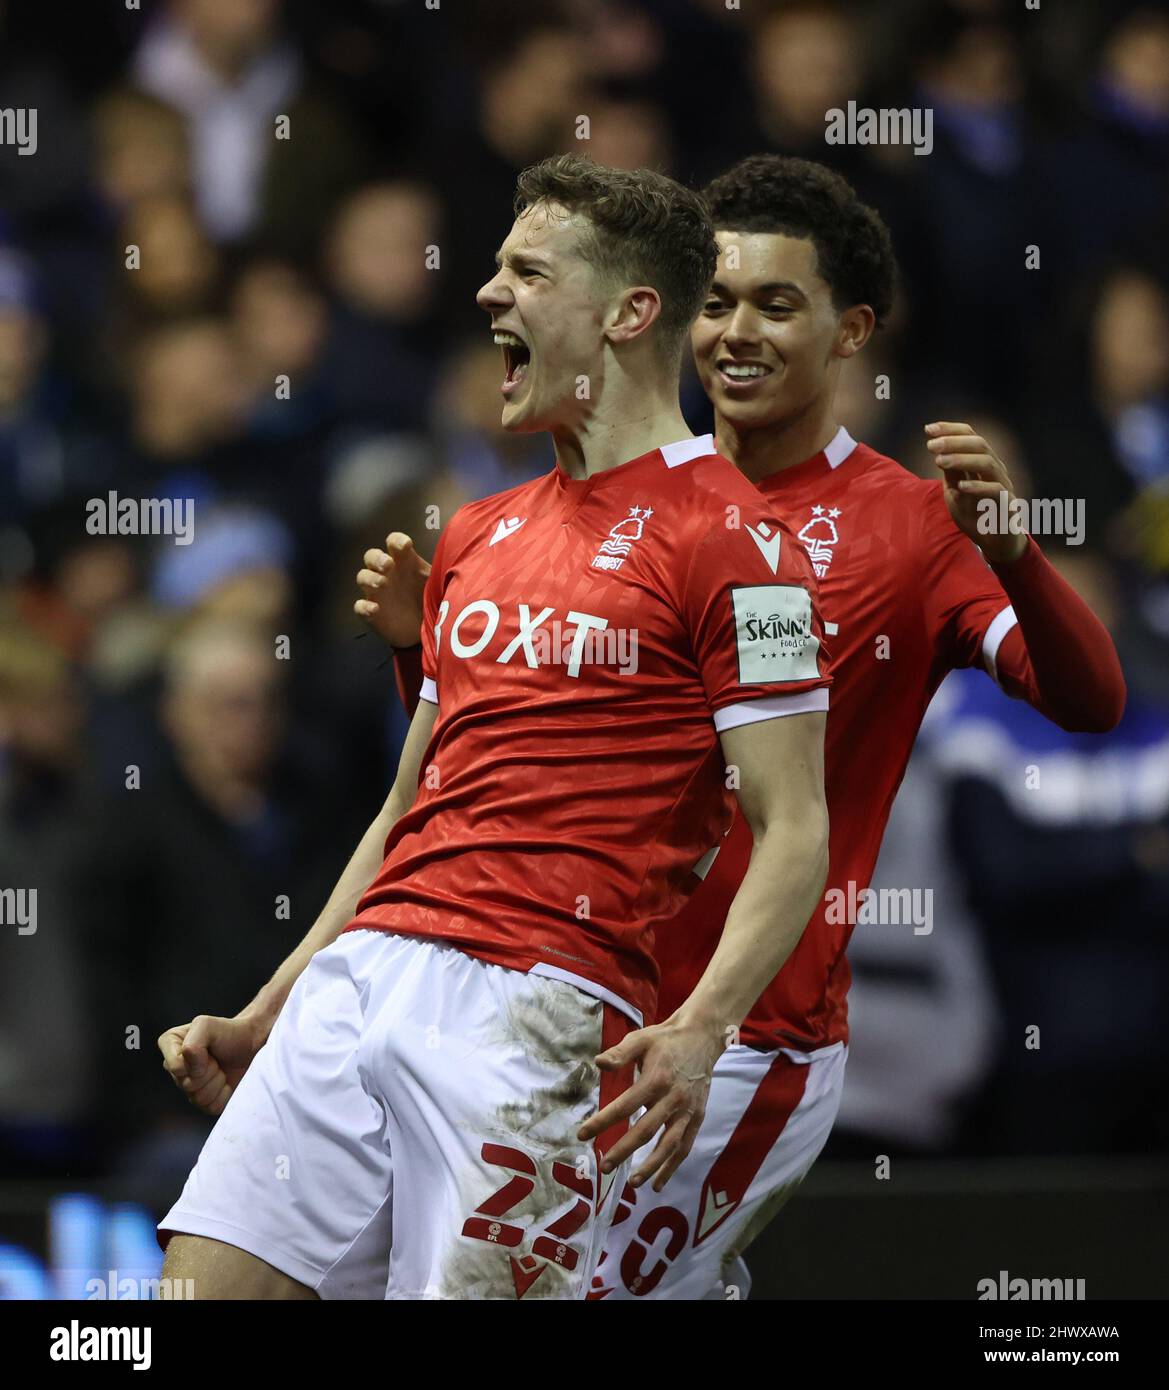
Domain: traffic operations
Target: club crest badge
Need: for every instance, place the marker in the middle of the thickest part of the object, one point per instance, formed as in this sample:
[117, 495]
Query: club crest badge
[819, 536]
[613, 552]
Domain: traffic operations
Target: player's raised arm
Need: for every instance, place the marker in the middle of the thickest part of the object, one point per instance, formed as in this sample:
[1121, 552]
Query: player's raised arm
[1044, 644]
[779, 766]
[207, 1057]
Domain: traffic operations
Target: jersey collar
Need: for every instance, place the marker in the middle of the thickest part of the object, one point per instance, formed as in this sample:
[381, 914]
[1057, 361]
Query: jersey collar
[686, 449]
[838, 449]
[672, 455]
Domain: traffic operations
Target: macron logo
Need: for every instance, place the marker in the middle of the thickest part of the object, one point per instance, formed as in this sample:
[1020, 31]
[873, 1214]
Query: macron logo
[506, 528]
[768, 544]
[716, 1207]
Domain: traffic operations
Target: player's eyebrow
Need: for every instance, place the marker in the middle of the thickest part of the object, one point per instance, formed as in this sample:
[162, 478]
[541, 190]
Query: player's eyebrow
[788, 287]
[520, 260]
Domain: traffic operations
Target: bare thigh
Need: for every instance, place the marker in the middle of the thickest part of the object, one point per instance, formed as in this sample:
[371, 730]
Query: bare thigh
[218, 1270]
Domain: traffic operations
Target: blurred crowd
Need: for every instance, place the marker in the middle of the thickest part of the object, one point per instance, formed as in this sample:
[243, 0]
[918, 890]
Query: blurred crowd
[239, 269]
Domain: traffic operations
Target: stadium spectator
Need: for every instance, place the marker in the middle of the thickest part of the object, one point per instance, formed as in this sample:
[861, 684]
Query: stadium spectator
[229, 848]
[178, 267]
[1108, 438]
[383, 264]
[45, 1073]
[1130, 354]
[529, 90]
[630, 133]
[187, 401]
[1062, 842]
[278, 319]
[806, 61]
[1117, 146]
[141, 149]
[972, 208]
[47, 451]
[231, 69]
[227, 68]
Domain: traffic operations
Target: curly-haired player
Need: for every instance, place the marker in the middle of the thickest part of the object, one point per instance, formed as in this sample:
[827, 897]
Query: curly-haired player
[910, 588]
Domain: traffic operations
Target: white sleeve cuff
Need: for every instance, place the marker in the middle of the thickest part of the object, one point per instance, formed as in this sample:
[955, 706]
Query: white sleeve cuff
[771, 707]
[996, 630]
[429, 691]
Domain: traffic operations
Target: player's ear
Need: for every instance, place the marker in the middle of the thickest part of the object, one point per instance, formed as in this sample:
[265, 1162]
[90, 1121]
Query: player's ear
[633, 314]
[854, 329]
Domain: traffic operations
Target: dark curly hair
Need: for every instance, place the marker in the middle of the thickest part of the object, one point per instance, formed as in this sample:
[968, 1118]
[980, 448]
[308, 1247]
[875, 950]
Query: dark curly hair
[799, 198]
[646, 230]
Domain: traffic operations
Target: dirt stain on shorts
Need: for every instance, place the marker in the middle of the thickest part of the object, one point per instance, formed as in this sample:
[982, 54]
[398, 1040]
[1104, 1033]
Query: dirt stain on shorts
[558, 1029]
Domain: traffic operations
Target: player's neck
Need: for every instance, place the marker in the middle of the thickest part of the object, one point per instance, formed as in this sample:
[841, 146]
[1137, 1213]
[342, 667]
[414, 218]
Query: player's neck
[757, 453]
[609, 438]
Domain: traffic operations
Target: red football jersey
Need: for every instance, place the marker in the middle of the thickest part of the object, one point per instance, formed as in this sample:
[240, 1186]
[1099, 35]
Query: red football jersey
[585, 642]
[905, 597]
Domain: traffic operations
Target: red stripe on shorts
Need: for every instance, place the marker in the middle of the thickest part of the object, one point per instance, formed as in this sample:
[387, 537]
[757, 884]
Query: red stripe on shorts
[759, 1127]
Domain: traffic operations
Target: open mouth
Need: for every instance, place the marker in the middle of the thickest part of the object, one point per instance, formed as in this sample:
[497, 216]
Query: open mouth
[517, 357]
[742, 376]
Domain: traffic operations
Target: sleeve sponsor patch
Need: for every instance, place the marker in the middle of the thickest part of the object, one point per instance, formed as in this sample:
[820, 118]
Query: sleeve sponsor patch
[773, 630]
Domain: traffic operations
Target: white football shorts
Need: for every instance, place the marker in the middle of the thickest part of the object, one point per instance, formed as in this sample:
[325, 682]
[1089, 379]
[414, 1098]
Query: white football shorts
[409, 1129]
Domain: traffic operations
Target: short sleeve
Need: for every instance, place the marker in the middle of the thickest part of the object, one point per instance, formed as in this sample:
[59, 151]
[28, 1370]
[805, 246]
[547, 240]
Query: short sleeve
[966, 607]
[750, 604]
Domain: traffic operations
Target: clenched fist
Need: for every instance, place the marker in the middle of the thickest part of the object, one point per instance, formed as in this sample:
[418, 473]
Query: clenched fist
[206, 1058]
